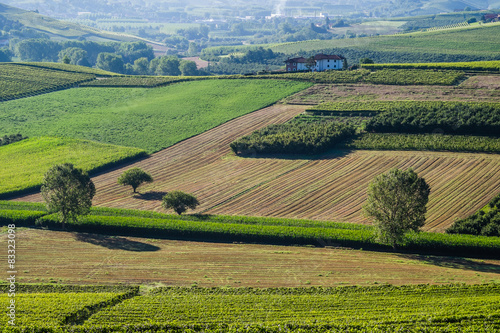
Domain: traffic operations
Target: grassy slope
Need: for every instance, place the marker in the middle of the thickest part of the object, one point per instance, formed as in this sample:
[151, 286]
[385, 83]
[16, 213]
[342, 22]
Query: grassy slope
[60, 29]
[25, 162]
[151, 119]
[474, 40]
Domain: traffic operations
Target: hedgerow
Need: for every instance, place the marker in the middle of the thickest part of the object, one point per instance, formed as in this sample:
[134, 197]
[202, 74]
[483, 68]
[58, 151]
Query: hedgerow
[493, 66]
[486, 222]
[277, 234]
[293, 138]
[442, 117]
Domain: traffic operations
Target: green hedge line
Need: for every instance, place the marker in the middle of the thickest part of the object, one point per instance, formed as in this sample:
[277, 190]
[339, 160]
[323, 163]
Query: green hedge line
[474, 66]
[433, 142]
[465, 245]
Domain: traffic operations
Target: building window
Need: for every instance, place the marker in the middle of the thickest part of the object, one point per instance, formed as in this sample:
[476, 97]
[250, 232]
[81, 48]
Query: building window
[294, 69]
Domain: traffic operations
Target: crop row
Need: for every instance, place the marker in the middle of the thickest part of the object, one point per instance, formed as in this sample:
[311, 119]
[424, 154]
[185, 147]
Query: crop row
[493, 65]
[54, 309]
[11, 209]
[20, 217]
[347, 309]
[415, 77]
[138, 81]
[363, 307]
[18, 81]
[68, 288]
[388, 76]
[435, 142]
[64, 67]
[382, 106]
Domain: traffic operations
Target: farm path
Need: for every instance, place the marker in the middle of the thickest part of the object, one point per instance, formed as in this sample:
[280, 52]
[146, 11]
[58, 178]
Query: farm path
[332, 187]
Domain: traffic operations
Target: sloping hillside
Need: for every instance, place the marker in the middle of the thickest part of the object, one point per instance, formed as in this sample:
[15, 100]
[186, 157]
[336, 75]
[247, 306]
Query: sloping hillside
[60, 29]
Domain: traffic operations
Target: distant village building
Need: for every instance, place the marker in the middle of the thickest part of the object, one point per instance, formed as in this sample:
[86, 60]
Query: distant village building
[492, 17]
[324, 62]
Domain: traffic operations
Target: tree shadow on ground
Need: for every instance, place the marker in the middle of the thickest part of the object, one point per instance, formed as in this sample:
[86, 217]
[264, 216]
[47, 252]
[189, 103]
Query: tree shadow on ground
[116, 243]
[151, 195]
[455, 263]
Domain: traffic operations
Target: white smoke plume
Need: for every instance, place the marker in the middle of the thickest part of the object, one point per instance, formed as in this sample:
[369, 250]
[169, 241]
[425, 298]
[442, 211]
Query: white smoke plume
[280, 7]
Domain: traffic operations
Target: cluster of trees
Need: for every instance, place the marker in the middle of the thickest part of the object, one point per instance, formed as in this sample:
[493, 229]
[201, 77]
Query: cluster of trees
[125, 58]
[68, 191]
[6, 139]
[166, 65]
[293, 138]
[485, 223]
[253, 60]
[448, 118]
[79, 52]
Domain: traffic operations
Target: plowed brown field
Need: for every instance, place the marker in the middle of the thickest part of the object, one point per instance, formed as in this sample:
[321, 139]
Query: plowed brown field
[330, 188]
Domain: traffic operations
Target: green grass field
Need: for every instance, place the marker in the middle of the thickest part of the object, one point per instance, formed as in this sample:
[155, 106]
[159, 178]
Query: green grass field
[476, 40]
[25, 162]
[150, 119]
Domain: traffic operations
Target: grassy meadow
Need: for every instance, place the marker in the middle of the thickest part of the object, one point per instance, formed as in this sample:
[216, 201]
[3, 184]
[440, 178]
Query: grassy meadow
[25, 162]
[150, 119]
[475, 40]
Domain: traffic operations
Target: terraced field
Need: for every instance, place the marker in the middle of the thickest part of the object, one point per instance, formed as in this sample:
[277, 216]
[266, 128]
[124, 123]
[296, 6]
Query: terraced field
[330, 187]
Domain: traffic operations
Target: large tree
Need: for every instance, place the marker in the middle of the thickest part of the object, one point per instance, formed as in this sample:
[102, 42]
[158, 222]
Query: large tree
[67, 191]
[179, 201]
[110, 62]
[397, 203]
[134, 177]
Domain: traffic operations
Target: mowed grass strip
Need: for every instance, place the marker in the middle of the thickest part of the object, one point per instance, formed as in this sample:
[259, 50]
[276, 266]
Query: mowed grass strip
[84, 258]
[25, 162]
[151, 119]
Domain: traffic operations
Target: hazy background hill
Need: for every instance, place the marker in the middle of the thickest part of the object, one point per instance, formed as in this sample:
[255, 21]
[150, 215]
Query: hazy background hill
[155, 9]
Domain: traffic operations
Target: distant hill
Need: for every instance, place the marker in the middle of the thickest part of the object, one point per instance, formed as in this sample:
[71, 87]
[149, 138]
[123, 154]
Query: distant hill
[467, 42]
[60, 29]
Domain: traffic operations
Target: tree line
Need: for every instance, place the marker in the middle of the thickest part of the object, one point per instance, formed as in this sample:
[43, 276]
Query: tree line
[125, 58]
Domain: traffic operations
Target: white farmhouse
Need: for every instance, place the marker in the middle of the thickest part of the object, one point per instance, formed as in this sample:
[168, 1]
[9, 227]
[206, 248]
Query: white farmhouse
[324, 62]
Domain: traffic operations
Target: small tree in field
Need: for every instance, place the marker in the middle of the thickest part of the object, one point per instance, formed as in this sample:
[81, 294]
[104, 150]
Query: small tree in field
[67, 191]
[134, 177]
[179, 201]
[397, 202]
